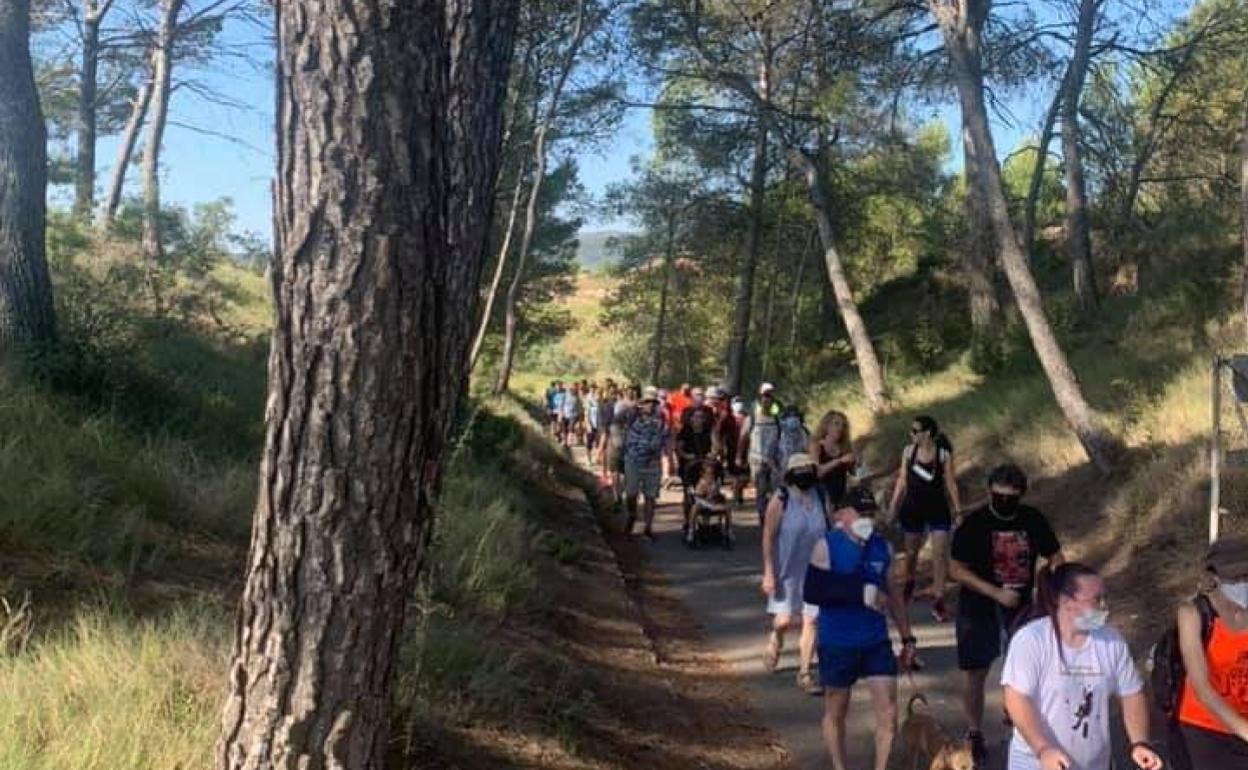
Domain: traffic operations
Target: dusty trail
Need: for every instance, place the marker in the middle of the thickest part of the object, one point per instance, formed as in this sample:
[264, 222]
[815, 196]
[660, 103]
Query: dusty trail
[720, 588]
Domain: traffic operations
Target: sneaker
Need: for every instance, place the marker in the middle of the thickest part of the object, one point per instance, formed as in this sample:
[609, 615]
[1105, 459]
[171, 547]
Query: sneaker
[979, 749]
[940, 613]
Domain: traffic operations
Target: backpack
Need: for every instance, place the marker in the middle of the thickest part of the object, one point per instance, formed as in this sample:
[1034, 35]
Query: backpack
[1165, 661]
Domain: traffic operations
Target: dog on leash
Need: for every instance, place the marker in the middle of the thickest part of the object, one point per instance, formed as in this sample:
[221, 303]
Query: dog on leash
[924, 738]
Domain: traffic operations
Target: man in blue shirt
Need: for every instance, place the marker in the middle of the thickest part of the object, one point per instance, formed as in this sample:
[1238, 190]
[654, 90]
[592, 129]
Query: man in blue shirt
[849, 578]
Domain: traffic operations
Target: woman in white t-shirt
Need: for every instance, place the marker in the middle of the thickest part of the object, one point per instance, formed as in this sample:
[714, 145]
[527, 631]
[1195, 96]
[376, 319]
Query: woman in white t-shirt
[1060, 673]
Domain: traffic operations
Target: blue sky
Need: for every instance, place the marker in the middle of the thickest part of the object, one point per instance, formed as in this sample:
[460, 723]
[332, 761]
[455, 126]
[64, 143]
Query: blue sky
[200, 167]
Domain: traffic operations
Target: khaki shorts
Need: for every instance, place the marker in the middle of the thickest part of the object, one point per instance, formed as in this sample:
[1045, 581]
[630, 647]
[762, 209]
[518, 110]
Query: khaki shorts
[641, 478]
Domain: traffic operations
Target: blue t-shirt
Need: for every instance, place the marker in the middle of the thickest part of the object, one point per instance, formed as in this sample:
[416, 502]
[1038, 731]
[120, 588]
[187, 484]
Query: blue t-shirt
[855, 625]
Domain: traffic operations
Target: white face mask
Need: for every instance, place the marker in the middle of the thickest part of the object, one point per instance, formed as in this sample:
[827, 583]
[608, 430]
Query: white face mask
[1092, 620]
[1236, 592]
[862, 528]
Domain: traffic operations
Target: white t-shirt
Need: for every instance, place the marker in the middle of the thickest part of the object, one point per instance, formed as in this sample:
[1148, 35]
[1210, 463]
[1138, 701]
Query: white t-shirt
[1073, 698]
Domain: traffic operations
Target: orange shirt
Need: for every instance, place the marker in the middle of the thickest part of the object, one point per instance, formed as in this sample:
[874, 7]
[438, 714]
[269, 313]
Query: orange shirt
[1227, 658]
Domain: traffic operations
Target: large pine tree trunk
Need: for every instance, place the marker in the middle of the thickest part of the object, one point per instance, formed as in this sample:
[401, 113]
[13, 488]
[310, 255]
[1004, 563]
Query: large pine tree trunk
[26, 312]
[1243, 202]
[1078, 235]
[383, 196]
[869, 369]
[660, 323]
[125, 148]
[985, 309]
[84, 172]
[511, 321]
[162, 78]
[961, 22]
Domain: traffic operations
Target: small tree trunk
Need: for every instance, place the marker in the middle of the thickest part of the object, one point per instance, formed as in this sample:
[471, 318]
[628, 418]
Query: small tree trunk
[162, 75]
[370, 344]
[125, 148]
[1037, 174]
[961, 33]
[985, 310]
[500, 266]
[743, 300]
[795, 304]
[1078, 235]
[512, 317]
[665, 282]
[26, 311]
[84, 173]
[869, 369]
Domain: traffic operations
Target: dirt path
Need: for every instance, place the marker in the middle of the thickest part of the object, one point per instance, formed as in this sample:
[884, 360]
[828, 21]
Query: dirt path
[720, 590]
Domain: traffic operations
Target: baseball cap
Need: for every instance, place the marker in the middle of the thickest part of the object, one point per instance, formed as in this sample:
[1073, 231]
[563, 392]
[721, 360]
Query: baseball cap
[649, 393]
[861, 500]
[766, 387]
[798, 460]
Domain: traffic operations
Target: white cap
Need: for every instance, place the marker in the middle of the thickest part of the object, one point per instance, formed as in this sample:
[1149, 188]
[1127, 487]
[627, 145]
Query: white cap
[650, 393]
[766, 387]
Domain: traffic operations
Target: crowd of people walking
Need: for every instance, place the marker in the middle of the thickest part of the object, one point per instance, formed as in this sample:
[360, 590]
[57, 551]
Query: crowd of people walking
[830, 577]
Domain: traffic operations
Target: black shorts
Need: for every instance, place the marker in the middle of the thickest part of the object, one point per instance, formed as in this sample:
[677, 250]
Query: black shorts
[983, 633]
[920, 519]
[1207, 749]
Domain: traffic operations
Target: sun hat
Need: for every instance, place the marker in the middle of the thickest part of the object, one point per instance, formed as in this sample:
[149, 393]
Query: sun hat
[798, 460]
[1228, 557]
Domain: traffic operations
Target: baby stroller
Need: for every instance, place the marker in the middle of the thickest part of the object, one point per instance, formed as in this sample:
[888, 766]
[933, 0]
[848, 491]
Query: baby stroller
[710, 517]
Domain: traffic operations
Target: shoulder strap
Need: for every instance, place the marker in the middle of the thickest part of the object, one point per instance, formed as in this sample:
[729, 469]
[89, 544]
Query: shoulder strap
[909, 454]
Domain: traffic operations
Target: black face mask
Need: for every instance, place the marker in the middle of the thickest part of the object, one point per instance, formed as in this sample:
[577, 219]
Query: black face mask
[803, 479]
[1005, 505]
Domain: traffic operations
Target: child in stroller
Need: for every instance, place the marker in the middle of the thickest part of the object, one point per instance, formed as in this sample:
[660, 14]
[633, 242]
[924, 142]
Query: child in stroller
[708, 512]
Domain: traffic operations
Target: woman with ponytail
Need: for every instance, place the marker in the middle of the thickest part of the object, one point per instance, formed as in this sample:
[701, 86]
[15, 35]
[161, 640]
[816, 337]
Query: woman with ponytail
[1060, 672]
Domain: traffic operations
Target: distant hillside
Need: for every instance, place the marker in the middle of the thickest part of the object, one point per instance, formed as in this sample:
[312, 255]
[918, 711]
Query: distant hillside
[594, 252]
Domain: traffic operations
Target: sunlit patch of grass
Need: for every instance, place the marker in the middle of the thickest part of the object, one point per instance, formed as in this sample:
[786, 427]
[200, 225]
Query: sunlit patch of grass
[109, 693]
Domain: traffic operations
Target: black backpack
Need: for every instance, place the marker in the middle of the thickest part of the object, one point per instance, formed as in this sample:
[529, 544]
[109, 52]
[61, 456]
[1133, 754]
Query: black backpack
[1166, 672]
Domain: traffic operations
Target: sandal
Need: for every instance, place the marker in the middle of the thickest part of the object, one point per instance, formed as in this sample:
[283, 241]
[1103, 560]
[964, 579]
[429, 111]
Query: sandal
[771, 656]
[807, 684]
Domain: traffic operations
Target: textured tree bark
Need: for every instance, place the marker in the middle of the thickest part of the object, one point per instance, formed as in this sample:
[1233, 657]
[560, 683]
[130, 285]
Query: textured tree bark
[162, 74]
[985, 309]
[665, 283]
[1078, 235]
[26, 312]
[387, 142]
[1243, 202]
[961, 22]
[84, 171]
[869, 369]
[125, 149]
[511, 320]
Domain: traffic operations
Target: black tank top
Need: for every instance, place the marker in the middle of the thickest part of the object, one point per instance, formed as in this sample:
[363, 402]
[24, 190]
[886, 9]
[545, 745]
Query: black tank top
[835, 482]
[925, 482]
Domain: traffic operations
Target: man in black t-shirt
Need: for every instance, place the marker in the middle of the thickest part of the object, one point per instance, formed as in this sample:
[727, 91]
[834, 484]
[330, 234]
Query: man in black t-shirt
[994, 556]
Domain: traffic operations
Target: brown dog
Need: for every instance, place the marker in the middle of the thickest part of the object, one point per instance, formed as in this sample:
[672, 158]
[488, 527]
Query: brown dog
[923, 737]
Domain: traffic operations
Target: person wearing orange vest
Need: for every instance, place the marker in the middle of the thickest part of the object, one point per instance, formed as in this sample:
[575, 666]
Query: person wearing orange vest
[1213, 706]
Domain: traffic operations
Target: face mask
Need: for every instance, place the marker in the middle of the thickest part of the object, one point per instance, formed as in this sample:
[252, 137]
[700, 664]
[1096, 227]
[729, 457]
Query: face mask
[790, 423]
[804, 480]
[1005, 505]
[862, 528]
[1092, 620]
[1236, 592]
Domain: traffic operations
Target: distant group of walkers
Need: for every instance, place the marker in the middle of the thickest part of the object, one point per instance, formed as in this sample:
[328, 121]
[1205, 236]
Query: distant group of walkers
[829, 576]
